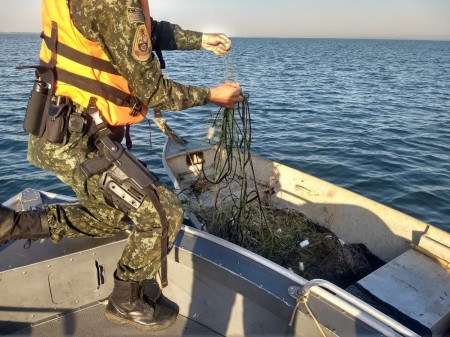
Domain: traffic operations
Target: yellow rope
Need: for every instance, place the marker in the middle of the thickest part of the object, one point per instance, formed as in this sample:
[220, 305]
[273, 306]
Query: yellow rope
[304, 300]
[295, 311]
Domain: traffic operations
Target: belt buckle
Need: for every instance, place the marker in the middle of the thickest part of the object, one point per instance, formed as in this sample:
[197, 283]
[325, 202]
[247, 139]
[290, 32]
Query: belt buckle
[137, 107]
[61, 100]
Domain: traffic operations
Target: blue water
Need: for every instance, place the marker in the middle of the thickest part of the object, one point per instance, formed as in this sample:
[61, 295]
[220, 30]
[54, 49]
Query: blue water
[372, 116]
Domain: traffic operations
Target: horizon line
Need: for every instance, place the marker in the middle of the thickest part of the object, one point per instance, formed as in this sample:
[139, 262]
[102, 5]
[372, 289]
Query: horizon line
[443, 38]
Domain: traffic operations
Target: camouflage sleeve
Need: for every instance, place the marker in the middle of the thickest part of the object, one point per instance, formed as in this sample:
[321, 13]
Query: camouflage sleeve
[116, 27]
[172, 37]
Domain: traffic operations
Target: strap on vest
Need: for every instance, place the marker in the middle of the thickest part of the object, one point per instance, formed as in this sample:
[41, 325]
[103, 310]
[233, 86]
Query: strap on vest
[79, 57]
[51, 73]
[46, 73]
[112, 94]
[97, 88]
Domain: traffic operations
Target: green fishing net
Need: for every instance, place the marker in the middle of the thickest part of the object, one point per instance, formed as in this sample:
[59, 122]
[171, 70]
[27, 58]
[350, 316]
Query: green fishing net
[230, 203]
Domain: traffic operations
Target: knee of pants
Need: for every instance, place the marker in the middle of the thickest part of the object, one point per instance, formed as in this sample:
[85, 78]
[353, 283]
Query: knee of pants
[146, 218]
[173, 210]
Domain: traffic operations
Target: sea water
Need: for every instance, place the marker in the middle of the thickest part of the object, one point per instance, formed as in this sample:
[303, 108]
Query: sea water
[372, 116]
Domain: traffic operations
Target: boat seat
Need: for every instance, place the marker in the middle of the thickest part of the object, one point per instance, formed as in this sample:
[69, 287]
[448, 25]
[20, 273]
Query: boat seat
[417, 289]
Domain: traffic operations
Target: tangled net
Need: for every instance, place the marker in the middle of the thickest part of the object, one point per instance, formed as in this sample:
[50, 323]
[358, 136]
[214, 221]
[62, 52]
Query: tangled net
[237, 202]
[230, 205]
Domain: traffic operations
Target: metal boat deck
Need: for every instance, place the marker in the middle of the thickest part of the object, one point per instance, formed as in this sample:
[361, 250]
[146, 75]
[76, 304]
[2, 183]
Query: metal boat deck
[221, 290]
[91, 321]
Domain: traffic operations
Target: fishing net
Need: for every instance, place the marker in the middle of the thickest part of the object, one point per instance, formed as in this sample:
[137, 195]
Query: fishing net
[230, 203]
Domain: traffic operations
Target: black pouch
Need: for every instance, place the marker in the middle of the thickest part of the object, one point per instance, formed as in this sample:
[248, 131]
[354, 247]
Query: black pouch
[35, 115]
[57, 122]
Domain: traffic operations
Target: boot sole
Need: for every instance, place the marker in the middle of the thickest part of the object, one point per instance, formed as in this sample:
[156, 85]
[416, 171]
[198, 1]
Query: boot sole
[120, 320]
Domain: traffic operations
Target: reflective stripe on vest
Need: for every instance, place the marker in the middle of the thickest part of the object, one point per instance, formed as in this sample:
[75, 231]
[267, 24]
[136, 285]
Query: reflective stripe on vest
[84, 70]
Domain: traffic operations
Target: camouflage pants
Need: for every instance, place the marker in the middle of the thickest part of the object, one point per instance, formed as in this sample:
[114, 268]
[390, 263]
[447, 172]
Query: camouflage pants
[91, 216]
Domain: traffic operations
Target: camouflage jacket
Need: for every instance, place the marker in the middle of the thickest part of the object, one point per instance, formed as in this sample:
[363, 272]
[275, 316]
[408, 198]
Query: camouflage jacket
[107, 22]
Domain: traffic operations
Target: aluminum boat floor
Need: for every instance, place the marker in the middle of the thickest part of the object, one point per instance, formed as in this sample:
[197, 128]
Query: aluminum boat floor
[92, 322]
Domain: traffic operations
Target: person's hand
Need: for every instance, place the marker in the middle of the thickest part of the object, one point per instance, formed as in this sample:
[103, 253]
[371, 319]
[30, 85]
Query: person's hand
[226, 94]
[219, 44]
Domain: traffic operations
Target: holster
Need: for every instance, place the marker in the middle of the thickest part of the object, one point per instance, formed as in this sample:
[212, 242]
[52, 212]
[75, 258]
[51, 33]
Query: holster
[125, 182]
[125, 179]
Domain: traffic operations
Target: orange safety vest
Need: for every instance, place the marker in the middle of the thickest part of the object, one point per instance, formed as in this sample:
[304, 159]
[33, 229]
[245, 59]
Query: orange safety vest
[83, 70]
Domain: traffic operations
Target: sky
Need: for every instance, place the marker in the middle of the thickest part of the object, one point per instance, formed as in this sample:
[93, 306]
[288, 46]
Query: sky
[392, 19]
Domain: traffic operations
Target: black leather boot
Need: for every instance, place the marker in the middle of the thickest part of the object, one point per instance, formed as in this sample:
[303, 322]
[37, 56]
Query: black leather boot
[152, 290]
[23, 225]
[126, 304]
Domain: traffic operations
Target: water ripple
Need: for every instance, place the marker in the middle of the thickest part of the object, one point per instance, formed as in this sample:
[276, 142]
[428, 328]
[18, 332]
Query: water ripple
[368, 115]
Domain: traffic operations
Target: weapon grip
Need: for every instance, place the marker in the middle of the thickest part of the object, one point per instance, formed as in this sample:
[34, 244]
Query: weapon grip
[93, 166]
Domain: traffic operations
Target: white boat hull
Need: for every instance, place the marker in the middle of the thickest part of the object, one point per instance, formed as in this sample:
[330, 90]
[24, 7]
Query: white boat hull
[387, 233]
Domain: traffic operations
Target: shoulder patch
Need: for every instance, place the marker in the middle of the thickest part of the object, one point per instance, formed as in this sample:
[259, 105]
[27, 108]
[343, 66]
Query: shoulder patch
[141, 44]
[135, 15]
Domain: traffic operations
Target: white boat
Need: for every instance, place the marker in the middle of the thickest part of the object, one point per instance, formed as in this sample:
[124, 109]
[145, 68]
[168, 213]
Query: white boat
[225, 290]
[408, 295]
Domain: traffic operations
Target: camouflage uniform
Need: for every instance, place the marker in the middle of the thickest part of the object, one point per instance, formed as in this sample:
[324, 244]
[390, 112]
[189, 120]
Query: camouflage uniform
[106, 22]
[115, 34]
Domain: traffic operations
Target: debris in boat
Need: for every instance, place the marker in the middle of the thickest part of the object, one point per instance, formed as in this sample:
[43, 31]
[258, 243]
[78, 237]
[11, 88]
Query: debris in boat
[304, 243]
[225, 197]
[301, 266]
[290, 237]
